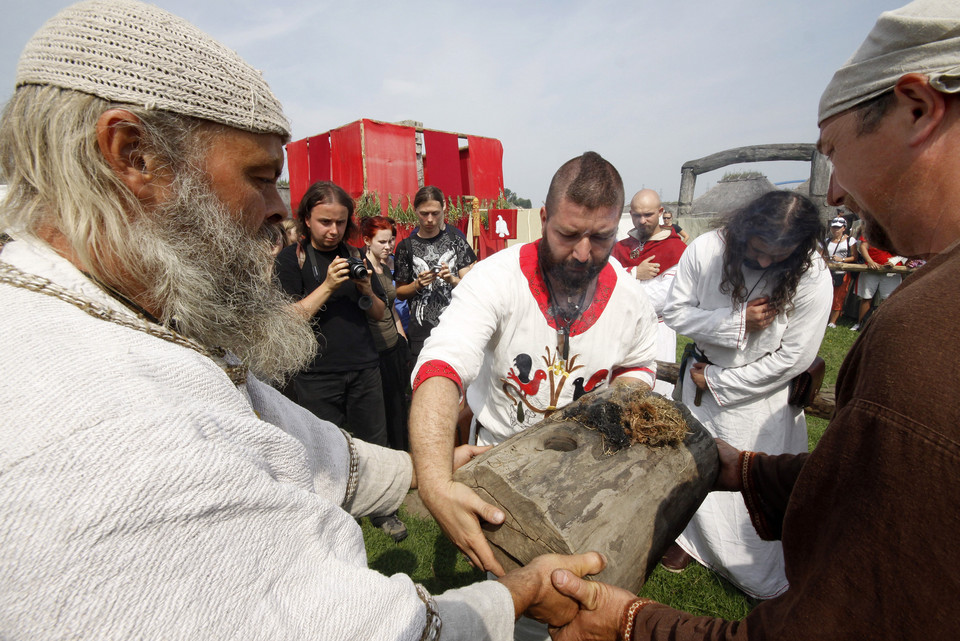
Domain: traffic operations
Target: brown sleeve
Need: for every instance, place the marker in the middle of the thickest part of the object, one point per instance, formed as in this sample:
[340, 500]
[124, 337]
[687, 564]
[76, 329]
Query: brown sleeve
[767, 484]
[658, 622]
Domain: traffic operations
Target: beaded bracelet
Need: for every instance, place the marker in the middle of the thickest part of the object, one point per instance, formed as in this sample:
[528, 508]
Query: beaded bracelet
[629, 615]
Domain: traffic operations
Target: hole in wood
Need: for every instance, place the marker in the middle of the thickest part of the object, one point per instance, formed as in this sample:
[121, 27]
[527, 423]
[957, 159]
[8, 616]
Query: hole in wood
[560, 443]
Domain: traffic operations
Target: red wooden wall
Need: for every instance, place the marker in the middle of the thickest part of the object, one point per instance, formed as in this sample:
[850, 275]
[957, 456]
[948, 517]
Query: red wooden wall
[391, 165]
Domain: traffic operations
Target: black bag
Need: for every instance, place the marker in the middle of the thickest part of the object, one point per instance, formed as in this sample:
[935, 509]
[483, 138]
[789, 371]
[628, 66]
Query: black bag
[405, 354]
[806, 384]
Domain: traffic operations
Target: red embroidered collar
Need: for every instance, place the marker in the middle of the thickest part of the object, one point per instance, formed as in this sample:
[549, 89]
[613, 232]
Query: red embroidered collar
[530, 267]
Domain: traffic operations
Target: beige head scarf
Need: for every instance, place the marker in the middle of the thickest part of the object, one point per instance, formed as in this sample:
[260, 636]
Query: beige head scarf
[134, 53]
[922, 37]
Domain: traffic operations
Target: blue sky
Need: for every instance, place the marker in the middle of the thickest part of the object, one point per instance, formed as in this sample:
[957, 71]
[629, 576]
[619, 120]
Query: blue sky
[648, 85]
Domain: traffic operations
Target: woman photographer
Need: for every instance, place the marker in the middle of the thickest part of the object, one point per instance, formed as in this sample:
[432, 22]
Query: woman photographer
[332, 288]
[388, 335]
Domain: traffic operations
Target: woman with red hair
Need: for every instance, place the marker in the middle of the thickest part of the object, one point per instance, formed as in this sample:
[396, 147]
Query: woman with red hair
[378, 234]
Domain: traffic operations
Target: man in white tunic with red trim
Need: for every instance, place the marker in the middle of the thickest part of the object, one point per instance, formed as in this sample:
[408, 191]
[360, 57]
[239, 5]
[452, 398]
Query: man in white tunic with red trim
[754, 296]
[529, 330]
[150, 486]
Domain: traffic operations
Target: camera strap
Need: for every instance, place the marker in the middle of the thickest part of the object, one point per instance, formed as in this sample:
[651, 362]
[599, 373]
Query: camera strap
[352, 252]
[375, 278]
[312, 255]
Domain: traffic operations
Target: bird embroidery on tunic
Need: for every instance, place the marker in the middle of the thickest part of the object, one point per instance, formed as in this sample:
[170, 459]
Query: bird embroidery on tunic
[522, 384]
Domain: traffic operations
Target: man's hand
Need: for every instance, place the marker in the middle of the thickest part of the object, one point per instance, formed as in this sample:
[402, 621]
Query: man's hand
[601, 607]
[729, 479]
[647, 269]
[532, 588]
[447, 275]
[698, 376]
[458, 511]
[425, 278]
[463, 454]
[338, 272]
[759, 314]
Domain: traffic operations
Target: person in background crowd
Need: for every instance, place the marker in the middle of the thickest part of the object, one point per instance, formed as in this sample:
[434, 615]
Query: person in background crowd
[401, 307]
[873, 283]
[429, 264]
[839, 248]
[278, 239]
[291, 231]
[754, 296]
[668, 222]
[388, 335]
[331, 287]
[651, 253]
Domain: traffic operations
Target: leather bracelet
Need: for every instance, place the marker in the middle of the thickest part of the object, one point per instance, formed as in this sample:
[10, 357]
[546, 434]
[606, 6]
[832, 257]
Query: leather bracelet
[629, 616]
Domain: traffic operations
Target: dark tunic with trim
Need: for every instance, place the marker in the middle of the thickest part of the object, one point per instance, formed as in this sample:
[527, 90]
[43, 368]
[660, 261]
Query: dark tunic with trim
[870, 520]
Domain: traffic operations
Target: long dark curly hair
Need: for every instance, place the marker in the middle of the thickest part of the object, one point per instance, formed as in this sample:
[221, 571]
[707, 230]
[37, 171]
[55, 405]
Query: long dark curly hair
[779, 219]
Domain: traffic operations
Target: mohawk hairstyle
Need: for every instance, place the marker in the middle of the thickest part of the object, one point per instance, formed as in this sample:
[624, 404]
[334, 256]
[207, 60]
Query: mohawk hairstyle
[587, 180]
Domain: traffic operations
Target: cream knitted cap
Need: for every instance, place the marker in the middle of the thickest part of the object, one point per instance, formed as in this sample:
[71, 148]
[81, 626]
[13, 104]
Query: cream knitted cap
[921, 37]
[135, 53]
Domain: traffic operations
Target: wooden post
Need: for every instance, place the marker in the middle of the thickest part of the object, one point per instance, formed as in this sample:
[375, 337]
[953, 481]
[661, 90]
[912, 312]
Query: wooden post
[819, 182]
[688, 182]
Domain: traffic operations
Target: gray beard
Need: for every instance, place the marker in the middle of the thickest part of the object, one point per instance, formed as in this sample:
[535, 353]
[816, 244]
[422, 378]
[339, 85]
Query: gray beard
[213, 281]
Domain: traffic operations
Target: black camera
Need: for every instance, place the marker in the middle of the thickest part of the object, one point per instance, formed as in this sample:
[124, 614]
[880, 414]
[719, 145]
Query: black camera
[358, 271]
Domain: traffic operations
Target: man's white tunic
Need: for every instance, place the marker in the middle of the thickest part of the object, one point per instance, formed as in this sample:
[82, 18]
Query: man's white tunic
[500, 339]
[144, 495]
[746, 404]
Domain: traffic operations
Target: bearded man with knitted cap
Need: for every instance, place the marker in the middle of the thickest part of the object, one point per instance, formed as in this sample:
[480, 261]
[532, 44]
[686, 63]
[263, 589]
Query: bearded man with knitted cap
[869, 519]
[150, 485]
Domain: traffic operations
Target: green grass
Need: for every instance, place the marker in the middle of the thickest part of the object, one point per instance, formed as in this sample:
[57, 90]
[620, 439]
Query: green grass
[426, 555]
[429, 558]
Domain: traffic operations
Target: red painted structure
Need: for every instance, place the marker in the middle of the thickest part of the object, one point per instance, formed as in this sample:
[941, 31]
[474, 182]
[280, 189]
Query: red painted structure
[372, 156]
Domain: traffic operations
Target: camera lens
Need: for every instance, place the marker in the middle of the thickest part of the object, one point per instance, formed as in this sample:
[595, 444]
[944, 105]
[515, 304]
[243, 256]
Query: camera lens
[358, 270]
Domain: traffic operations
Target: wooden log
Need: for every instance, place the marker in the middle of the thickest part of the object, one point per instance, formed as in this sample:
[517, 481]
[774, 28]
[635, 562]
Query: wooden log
[751, 153]
[822, 406]
[562, 494]
[860, 267]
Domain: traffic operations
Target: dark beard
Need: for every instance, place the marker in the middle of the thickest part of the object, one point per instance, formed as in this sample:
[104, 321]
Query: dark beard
[642, 234]
[571, 276]
[213, 280]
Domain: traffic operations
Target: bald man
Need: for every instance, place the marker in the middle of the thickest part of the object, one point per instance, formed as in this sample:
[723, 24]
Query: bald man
[651, 253]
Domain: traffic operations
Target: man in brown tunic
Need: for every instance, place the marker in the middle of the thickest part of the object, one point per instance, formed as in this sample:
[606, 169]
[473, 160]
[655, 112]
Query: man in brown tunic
[869, 520]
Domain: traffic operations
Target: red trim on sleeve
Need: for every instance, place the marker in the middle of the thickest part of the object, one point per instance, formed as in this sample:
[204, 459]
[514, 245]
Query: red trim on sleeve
[625, 370]
[437, 368]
